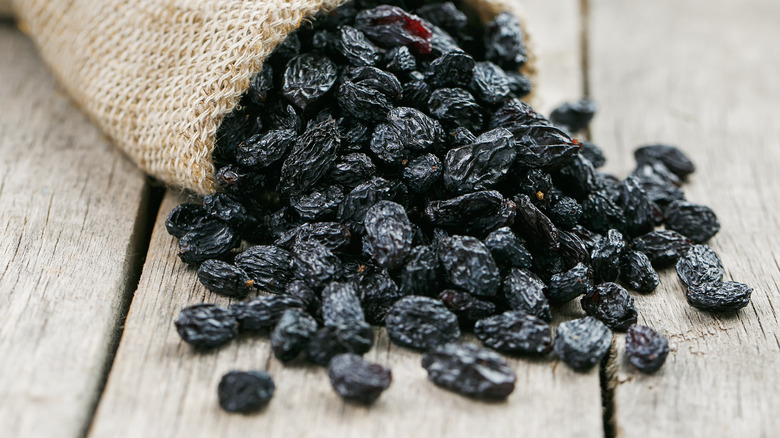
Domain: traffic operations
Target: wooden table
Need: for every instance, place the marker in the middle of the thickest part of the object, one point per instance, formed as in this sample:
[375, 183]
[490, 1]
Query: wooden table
[90, 284]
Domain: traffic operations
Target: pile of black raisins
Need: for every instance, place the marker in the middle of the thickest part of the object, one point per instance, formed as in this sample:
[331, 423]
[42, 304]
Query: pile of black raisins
[382, 169]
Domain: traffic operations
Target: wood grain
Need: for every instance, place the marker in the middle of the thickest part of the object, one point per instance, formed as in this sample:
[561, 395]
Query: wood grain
[71, 208]
[160, 387]
[702, 75]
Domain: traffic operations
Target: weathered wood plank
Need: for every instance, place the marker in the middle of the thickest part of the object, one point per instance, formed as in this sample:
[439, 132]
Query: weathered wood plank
[159, 387]
[703, 75]
[71, 215]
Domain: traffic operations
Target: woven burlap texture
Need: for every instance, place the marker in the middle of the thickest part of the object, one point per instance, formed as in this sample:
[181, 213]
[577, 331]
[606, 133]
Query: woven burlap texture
[158, 76]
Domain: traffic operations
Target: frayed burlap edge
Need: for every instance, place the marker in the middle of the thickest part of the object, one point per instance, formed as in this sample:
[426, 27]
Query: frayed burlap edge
[159, 76]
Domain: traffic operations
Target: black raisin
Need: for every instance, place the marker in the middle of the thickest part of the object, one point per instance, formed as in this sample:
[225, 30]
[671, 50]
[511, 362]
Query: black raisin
[224, 278]
[356, 48]
[421, 323]
[420, 275]
[474, 213]
[727, 296]
[646, 349]
[307, 78]
[568, 285]
[582, 343]
[356, 379]
[507, 249]
[315, 264]
[391, 26]
[515, 332]
[470, 371]
[347, 337]
[662, 247]
[245, 391]
[574, 116]
[263, 312]
[612, 304]
[292, 334]
[210, 239]
[637, 271]
[377, 293]
[671, 157]
[184, 218]
[388, 238]
[456, 107]
[699, 265]
[269, 266]
[469, 265]
[697, 222]
[206, 325]
[468, 308]
[479, 165]
[524, 291]
[504, 42]
[605, 257]
[311, 158]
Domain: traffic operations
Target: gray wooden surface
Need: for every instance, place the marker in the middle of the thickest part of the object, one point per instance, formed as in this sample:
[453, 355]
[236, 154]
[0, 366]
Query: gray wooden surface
[72, 217]
[702, 75]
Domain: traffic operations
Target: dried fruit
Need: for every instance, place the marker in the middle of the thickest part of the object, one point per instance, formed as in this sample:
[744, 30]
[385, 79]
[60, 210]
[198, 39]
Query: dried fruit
[645, 348]
[270, 267]
[697, 222]
[568, 285]
[574, 116]
[612, 304]
[421, 323]
[662, 247]
[263, 312]
[524, 291]
[507, 249]
[388, 238]
[470, 371]
[504, 42]
[479, 165]
[637, 271]
[206, 325]
[581, 343]
[727, 296]
[209, 239]
[307, 78]
[699, 265]
[245, 391]
[292, 334]
[356, 379]
[469, 265]
[224, 278]
[671, 157]
[391, 26]
[468, 308]
[515, 333]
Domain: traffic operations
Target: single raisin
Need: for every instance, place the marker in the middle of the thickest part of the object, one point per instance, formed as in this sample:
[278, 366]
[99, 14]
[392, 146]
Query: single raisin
[206, 325]
[645, 348]
[356, 379]
[245, 391]
[421, 323]
[582, 343]
[469, 370]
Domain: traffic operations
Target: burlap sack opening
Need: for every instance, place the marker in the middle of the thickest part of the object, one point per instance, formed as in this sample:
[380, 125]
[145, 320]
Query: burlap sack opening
[158, 76]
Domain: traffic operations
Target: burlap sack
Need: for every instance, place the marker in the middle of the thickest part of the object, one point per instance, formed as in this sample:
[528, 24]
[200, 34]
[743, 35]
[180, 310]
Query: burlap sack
[158, 76]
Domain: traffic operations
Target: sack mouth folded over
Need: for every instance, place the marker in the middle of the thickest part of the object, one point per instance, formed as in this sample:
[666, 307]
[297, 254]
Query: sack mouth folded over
[160, 76]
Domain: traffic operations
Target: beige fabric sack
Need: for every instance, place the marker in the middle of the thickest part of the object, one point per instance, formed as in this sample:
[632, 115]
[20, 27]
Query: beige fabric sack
[158, 76]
